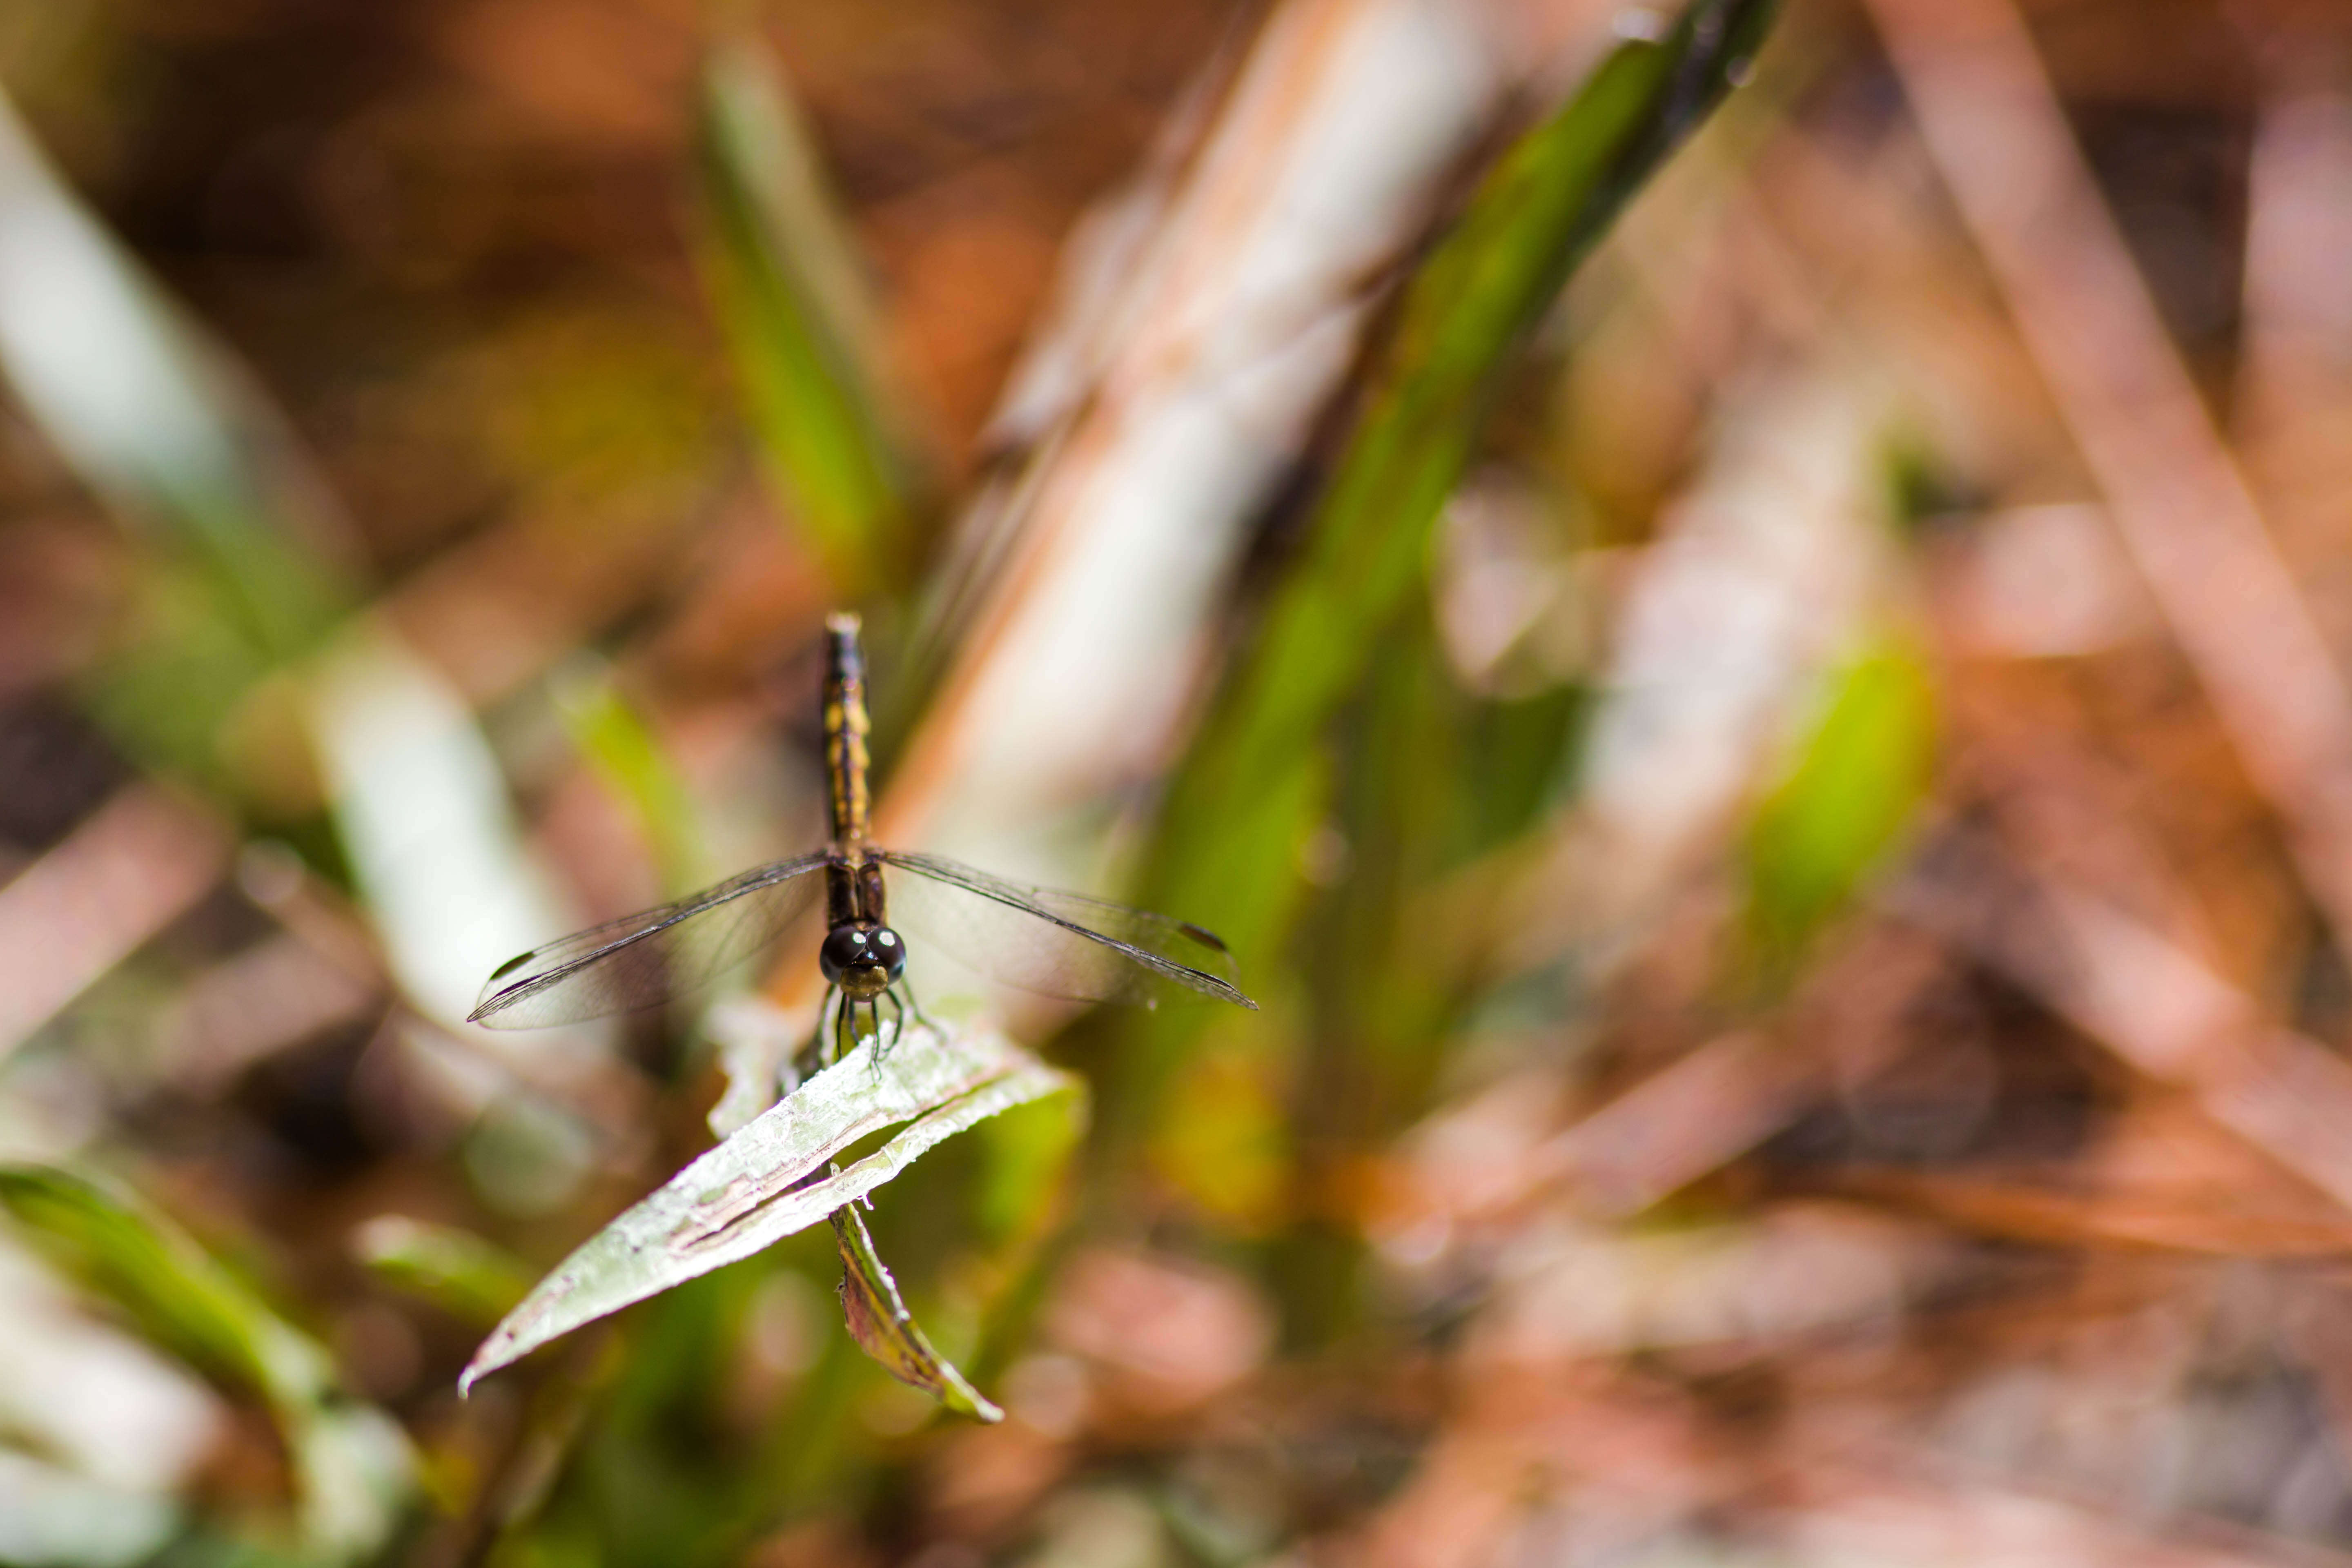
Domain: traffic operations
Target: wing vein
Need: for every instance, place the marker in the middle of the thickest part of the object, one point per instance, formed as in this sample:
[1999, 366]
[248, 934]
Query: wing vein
[641, 960]
[1150, 942]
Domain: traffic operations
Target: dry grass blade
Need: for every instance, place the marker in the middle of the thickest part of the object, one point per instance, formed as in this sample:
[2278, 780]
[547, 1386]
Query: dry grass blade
[2158, 1006]
[2001, 141]
[134, 866]
[2015, 1211]
[879, 1321]
[1196, 348]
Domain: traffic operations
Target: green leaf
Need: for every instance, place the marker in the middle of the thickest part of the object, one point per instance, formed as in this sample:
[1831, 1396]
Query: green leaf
[454, 1269]
[879, 1321]
[633, 765]
[353, 1468]
[153, 1270]
[1027, 1158]
[764, 1183]
[786, 286]
[1247, 794]
[1856, 783]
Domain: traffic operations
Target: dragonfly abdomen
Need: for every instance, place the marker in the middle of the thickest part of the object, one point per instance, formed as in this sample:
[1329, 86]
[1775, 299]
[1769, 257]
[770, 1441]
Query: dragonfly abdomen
[846, 727]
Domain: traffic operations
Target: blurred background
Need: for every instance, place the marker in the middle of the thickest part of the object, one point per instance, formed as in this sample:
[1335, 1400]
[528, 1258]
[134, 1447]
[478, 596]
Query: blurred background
[1758, 693]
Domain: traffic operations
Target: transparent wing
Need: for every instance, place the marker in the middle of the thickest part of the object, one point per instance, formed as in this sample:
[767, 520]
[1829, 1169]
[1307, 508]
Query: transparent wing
[1056, 943]
[644, 960]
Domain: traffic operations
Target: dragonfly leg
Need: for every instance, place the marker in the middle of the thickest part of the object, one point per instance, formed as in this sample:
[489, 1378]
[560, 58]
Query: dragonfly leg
[906, 990]
[897, 1014]
[845, 1028]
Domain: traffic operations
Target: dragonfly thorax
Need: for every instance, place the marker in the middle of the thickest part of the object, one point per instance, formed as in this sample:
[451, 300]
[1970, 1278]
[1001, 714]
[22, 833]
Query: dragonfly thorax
[862, 958]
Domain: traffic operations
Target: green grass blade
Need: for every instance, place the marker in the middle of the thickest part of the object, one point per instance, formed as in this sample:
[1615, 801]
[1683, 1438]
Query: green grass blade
[144, 408]
[1246, 796]
[1832, 820]
[161, 1278]
[473, 1280]
[153, 418]
[629, 757]
[786, 286]
[353, 1468]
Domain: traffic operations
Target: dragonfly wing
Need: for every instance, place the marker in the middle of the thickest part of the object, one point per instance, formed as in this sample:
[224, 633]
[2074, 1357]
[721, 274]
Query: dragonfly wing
[644, 960]
[1056, 943]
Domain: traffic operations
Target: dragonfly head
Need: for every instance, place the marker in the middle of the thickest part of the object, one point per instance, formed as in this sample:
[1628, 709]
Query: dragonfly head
[862, 959]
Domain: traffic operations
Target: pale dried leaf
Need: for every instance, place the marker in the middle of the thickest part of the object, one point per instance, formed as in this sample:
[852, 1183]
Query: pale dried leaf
[751, 1190]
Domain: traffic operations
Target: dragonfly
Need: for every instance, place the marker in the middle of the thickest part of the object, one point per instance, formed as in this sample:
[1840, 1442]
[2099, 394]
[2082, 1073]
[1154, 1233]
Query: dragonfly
[1042, 940]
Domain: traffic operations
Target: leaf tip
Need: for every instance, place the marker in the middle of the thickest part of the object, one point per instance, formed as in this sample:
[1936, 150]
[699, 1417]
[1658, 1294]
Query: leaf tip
[497, 1351]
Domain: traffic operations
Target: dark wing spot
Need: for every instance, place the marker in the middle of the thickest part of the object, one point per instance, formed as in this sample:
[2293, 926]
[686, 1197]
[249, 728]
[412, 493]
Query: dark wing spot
[1205, 938]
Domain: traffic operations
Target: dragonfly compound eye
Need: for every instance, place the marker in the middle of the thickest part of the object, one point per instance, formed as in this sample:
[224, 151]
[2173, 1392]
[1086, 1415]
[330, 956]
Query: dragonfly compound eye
[862, 959]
